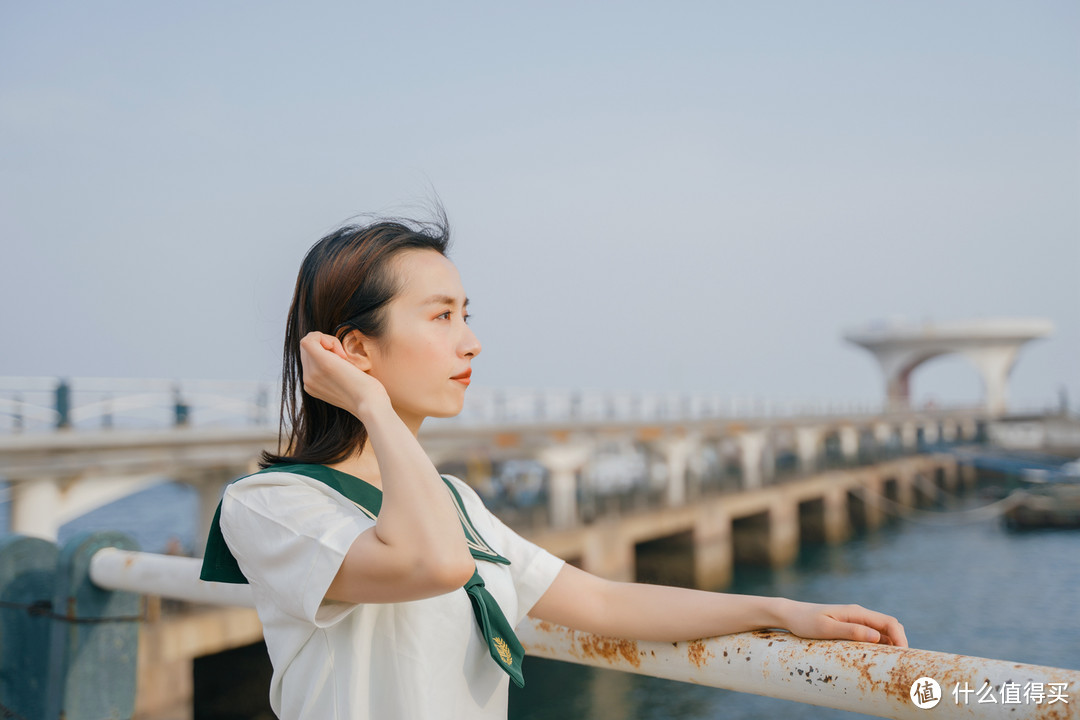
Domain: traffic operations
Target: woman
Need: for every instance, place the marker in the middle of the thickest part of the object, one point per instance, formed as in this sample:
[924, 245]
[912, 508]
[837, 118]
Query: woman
[385, 590]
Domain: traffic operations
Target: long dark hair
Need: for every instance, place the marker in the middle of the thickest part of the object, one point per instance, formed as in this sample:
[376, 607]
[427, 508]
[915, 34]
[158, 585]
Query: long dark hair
[345, 282]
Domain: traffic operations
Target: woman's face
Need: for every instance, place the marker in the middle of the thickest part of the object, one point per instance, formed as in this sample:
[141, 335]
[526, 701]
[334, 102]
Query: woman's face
[423, 358]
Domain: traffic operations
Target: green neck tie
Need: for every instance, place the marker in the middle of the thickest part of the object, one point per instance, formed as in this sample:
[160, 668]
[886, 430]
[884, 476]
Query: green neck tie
[219, 565]
[502, 642]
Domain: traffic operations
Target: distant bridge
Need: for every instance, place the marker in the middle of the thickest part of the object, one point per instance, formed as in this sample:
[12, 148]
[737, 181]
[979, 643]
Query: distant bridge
[71, 446]
[54, 477]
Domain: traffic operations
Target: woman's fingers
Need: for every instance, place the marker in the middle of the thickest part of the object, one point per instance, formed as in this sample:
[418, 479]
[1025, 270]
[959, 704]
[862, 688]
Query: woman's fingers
[838, 628]
[331, 343]
[314, 342]
[870, 626]
[894, 631]
[325, 375]
[331, 376]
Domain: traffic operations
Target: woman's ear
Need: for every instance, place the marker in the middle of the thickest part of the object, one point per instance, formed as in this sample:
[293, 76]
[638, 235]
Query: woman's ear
[358, 348]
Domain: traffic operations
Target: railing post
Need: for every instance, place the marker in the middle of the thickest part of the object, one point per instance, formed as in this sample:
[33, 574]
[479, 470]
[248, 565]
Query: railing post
[181, 410]
[94, 645]
[27, 576]
[262, 404]
[63, 404]
[17, 423]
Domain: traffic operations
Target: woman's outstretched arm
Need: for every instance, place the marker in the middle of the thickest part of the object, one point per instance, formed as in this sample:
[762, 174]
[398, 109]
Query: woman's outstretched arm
[637, 611]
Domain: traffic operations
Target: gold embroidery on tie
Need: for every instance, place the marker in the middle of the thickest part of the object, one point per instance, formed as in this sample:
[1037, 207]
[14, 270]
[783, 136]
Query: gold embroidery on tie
[504, 651]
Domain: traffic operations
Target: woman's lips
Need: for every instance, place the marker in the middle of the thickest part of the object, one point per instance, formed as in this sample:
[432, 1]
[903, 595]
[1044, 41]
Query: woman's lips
[463, 378]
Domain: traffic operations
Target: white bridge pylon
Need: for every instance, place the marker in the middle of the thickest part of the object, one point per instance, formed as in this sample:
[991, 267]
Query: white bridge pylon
[991, 344]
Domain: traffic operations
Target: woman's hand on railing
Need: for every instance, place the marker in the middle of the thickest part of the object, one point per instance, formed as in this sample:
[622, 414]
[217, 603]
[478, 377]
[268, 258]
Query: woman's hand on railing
[639, 611]
[842, 622]
[330, 376]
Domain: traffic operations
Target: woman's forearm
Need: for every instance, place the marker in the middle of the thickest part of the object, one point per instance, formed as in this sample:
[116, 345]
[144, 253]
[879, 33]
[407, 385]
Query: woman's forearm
[583, 601]
[672, 614]
[418, 516]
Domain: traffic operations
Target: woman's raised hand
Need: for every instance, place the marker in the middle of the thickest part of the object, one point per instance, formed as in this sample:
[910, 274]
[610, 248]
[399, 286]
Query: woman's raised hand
[330, 376]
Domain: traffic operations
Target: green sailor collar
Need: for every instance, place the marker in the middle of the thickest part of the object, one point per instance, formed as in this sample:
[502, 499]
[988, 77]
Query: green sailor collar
[219, 565]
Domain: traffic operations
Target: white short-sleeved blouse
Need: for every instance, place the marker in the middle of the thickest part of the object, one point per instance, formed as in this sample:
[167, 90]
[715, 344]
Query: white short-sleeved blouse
[417, 660]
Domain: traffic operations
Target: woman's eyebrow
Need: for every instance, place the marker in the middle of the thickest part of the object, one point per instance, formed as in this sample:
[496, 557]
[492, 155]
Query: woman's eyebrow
[444, 300]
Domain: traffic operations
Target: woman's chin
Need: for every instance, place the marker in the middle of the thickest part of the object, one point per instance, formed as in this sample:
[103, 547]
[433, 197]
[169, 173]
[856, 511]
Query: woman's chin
[447, 411]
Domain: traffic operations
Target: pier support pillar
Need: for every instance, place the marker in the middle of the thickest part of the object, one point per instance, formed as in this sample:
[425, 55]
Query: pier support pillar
[994, 364]
[714, 556]
[783, 533]
[930, 433]
[751, 453]
[905, 487]
[837, 528]
[909, 436]
[676, 452]
[883, 434]
[808, 447]
[768, 457]
[608, 554]
[563, 462]
[849, 443]
[969, 429]
[35, 507]
[872, 491]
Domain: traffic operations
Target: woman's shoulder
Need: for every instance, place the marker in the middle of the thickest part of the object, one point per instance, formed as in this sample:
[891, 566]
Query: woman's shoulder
[274, 482]
[292, 500]
[271, 476]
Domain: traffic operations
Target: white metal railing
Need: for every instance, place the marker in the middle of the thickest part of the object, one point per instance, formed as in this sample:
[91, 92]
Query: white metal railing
[29, 404]
[36, 404]
[872, 679]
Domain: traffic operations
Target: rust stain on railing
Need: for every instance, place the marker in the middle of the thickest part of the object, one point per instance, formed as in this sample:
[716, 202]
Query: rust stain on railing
[860, 677]
[698, 654]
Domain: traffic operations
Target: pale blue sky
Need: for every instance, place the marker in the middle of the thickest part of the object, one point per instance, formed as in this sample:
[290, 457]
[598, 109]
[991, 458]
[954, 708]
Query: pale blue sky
[687, 197]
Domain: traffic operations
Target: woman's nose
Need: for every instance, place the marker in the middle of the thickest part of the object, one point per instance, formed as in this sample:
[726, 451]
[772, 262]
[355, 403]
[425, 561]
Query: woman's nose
[470, 343]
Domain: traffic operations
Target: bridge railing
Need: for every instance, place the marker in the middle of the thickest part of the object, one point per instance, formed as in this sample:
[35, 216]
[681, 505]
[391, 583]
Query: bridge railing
[70, 642]
[35, 404]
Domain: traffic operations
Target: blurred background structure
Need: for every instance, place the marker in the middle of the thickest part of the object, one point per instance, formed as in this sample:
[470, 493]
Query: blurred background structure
[991, 345]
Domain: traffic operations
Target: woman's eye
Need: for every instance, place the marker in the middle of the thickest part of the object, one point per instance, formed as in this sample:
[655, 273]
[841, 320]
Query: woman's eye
[448, 313]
